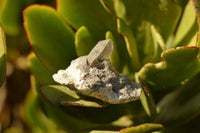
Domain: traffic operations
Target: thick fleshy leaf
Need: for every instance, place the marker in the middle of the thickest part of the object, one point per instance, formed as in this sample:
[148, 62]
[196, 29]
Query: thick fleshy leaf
[2, 57]
[73, 118]
[180, 105]
[158, 40]
[146, 99]
[9, 16]
[143, 128]
[106, 115]
[197, 6]
[114, 58]
[34, 115]
[52, 40]
[154, 44]
[83, 41]
[95, 18]
[60, 115]
[109, 7]
[41, 74]
[177, 65]
[130, 43]
[187, 27]
[182, 3]
[103, 131]
[61, 95]
[13, 130]
[140, 15]
[64, 120]
[123, 121]
[134, 13]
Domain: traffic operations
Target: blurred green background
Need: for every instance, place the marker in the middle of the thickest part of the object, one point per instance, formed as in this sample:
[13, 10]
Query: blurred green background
[17, 84]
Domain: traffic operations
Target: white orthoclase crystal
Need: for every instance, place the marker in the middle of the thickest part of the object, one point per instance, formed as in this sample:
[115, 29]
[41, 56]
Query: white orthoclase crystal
[94, 76]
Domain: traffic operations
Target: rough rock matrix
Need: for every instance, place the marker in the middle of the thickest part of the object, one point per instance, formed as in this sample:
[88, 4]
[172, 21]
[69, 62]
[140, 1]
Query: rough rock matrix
[93, 75]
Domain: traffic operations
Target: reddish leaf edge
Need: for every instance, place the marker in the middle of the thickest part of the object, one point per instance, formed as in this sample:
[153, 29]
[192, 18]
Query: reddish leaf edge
[171, 49]
[145, 124]
[82, 105]
[26, 30]
[150, 98]
[4, 55]
[182, 47]
[68, 103]
[3, 38]
[57, 5]
[175, 3]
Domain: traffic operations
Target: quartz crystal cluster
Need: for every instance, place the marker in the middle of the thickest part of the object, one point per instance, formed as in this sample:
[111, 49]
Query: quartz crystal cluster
[93, 75]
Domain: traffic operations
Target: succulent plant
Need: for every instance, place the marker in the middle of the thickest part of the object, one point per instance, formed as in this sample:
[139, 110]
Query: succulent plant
[2, 57]
[155, 42]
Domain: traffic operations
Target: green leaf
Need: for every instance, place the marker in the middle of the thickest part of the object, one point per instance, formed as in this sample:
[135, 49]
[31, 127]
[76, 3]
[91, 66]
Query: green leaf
[52, 40]
[139, 15]
[146, 99]
[143, 128]
[68, 118]
[2, 57]
[83, 41]
[154, 44]
[182, 3]
[80, 107]
[60, 115]
[180, 105]
[95, 18]
[134, 13]
[187, 27]
[41, 74]
[158, 41]
[197, 7]
[114, 58]
[42, 116]
[130, 43]
[178, 64]
[61, 95]
[103, 116]
[109, 7]
[33, 114]
[103, 131]
[13, 130]
[124, 121]
[9, 16]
